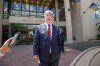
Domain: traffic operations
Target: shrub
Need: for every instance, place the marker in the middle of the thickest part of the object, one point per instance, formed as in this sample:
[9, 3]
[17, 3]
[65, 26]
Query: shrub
[98, 36]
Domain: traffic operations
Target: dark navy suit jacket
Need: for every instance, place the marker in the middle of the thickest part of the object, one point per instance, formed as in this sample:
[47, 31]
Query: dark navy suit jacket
[42, 43]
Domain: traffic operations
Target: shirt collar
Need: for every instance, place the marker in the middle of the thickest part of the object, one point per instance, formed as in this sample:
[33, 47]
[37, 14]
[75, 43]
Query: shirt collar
[47, 24]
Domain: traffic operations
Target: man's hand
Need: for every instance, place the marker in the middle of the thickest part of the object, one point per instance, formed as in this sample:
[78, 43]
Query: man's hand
[36, 58]
[5, 46]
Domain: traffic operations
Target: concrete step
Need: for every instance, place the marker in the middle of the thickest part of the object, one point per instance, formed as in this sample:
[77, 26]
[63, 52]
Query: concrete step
[88, 57]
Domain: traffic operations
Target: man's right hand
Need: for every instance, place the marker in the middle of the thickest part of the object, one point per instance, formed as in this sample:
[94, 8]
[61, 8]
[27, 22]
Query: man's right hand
[36, 58]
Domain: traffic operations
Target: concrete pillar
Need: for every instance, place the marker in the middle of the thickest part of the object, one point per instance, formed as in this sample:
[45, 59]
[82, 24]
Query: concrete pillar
[56, 7]
[1, 12]
[76, 22]
[84, 24]
[68, 22]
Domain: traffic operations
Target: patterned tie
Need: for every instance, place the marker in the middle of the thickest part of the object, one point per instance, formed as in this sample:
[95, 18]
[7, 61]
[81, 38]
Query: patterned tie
[49, 31]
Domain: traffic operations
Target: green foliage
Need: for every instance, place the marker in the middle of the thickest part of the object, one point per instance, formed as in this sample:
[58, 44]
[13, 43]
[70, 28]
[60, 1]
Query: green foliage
[99, 28]
[98, 36]
[19, 28]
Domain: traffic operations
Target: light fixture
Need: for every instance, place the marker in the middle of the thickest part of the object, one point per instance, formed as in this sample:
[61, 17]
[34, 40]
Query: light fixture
[42, 3]
[26, 0]
[38, 2]
[49, 0]
[47, 4]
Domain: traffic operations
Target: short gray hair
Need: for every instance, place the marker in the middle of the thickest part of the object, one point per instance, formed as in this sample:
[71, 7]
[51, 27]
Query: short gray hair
[47, 11]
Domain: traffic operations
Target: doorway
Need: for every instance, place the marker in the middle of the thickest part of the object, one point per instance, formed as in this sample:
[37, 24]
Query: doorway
[27, 33]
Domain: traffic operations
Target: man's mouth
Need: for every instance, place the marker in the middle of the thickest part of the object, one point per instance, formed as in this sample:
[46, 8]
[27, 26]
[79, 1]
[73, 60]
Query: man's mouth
[48, 19]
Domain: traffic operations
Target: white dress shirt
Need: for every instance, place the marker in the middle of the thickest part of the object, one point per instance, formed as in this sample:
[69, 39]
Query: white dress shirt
[50, 29]
[51, 32]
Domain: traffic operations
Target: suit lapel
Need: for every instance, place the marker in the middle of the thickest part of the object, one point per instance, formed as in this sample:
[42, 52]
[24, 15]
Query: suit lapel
[45, 30]
[53, 31]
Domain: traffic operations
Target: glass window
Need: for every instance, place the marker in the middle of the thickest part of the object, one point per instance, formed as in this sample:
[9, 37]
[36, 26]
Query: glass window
[25, 7]
[40, 15]
[15, 6]
[32, 14]
[97, 13]
[46, 8]
[12, 5]
[25, 13]
[33, 8]
[5, 16]
[15, 13]
[40, 9]
[5, 7]
[61, 11]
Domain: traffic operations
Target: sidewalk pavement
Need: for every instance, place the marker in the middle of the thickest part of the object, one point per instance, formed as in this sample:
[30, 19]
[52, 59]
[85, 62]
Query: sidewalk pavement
[22, 55]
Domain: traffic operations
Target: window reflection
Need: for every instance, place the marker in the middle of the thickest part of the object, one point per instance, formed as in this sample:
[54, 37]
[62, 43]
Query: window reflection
[30, 8]
[39, 11]
[32, 14]
[5, 7]
[25, 7]
[33, 8]
[25, 13]
[15, 6]
[5, 11]
[5, 16]
[46, 8]
[15, 13]
[61, 10]
[39, 8]
[39, 15]
[97, 13]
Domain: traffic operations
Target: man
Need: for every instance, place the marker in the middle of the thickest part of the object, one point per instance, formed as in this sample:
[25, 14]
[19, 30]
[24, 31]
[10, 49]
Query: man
[5, 47]
[47, 42]
[62, 40]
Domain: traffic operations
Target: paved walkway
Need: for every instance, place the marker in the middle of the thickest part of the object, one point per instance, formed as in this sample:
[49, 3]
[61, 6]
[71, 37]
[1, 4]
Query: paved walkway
[23, 56]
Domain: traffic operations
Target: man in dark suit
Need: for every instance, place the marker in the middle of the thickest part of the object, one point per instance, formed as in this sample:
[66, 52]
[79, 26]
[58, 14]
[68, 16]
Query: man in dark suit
[47, 42]
[62, 40]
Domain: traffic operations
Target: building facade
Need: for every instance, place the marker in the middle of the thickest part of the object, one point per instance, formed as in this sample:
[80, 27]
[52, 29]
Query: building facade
[74, 17]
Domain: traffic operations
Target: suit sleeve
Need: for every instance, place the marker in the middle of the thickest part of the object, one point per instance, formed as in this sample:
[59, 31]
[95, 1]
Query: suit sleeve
[36, 42]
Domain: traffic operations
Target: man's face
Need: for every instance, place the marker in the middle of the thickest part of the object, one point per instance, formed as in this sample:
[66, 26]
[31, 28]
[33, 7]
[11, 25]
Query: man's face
[48, 18]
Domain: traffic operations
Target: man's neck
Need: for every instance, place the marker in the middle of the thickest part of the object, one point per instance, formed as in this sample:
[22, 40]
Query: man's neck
[48, 23]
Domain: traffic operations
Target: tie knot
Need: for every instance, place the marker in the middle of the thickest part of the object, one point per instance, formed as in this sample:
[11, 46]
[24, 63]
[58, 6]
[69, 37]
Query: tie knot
[49, 25]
